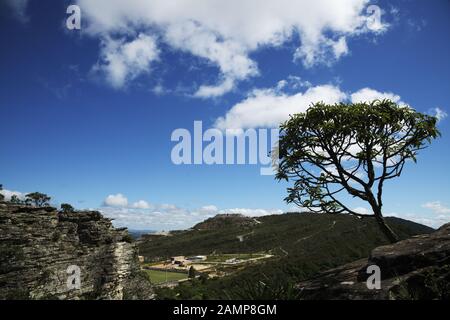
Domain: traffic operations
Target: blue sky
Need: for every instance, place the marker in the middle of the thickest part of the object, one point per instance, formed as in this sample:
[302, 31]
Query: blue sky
[87, 115]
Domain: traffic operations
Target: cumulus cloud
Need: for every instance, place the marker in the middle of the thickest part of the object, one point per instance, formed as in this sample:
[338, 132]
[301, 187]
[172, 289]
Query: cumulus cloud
[122, 61]
[253, 212]
[434, 221]
[362, 210]
[440, 216]
[116, 200]
[437, 207]
[368, 95]
[439, 114]
[324, 51]
[8, 194]
[121, 201]
[225, 33]
[141, 204]
[169, 216]
[209, 208]
[269, 107]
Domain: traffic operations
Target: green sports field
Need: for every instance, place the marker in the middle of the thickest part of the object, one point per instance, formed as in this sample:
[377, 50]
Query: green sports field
[157, 276]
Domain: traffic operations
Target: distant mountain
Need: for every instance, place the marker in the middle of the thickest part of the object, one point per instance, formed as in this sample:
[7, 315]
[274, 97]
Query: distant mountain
[303, 244]
[224, 221]
[136, 234]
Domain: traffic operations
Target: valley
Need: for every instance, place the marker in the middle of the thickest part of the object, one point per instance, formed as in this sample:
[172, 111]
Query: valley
[276, 250]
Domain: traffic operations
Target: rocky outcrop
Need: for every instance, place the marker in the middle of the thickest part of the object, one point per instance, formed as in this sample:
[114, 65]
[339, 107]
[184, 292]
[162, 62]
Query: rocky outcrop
[416, 268]
[42, 250]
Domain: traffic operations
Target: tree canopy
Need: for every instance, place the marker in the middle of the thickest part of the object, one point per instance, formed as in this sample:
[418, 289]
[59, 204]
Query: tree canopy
[350, 148]
[38, 199]
[67, 208]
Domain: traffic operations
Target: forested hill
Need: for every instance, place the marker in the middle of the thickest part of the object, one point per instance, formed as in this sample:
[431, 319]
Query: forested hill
[302, 244]
[287, 234]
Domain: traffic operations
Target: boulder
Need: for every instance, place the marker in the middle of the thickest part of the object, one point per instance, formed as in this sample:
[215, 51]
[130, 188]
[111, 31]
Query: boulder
[416, 268]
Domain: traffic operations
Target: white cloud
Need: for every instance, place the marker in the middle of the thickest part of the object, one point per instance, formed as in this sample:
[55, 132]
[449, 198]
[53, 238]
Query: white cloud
[437, 207]
[325, 51]
[340, 47]
[141, 204]
[252, 212]
[270, 107]
[215, 91]
[116, 200]
[439, 114]
[434, 221]
[368, 95]
[362, 210]
[8, 194]
[122, 61]
[170, 217]
[166, 206]
[121, 201]
[440, 215]
[225, 33]
[210, 208]
[292, 83]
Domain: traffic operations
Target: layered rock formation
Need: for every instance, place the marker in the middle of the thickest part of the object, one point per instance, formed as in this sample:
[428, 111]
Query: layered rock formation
[416, 268]
[42, 250]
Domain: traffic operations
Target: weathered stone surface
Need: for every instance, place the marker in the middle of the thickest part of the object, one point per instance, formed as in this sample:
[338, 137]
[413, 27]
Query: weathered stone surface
[416, 268]
[37, 245]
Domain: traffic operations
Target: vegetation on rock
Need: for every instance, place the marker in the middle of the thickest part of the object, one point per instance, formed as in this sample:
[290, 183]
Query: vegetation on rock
[37, 199]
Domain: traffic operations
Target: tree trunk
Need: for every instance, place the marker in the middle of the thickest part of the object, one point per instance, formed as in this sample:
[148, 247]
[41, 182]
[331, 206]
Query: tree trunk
[388, 232]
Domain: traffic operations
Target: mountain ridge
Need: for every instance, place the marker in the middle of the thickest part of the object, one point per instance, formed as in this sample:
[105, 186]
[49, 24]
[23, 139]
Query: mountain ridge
[242, 233]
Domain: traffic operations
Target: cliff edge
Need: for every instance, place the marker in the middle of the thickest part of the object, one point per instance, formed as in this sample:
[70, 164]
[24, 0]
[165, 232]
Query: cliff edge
[46, 254]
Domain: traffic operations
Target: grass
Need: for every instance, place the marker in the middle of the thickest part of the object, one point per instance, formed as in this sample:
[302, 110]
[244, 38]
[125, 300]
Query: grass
[158, 277]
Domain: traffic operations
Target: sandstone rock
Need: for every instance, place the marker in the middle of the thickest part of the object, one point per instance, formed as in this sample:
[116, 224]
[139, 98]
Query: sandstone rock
[37, 245]
[416, 268]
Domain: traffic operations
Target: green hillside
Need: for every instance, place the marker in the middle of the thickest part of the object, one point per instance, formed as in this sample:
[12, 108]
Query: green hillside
[302, 244]
[292, 232]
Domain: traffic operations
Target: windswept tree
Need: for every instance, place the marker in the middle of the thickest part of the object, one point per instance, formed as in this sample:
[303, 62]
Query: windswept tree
[350, 148]
[38, 199]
